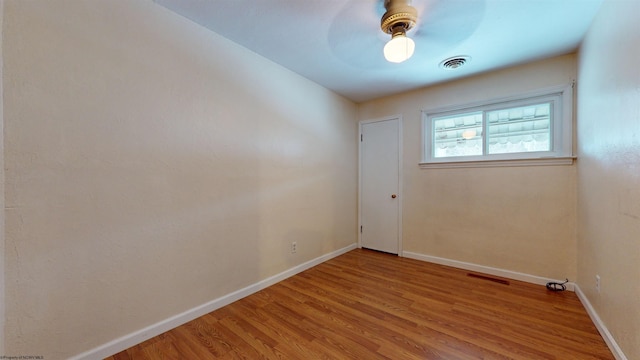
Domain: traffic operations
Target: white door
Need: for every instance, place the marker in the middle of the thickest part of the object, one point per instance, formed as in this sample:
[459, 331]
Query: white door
[380, 185]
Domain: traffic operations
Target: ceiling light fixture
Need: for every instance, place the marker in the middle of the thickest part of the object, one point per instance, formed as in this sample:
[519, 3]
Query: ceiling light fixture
[399, 18]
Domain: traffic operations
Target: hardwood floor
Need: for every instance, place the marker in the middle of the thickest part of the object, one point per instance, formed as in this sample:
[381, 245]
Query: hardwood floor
[370, 305]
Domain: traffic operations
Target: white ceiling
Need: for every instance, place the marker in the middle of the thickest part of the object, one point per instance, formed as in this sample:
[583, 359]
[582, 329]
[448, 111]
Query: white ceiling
[338, 43]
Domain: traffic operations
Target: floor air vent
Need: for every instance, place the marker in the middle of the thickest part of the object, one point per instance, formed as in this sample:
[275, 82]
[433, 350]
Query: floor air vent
[488, 278]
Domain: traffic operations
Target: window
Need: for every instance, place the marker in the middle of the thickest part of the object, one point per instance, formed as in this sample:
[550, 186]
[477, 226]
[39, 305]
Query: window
[534, 129]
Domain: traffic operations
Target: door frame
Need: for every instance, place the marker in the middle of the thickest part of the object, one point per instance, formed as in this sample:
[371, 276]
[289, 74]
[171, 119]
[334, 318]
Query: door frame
[397, 117]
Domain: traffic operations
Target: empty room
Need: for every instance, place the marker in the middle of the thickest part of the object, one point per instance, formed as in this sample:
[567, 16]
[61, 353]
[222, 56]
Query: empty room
[341, 179]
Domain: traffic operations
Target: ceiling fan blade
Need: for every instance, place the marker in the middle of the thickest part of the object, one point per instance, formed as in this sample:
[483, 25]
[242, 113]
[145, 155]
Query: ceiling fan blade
[355, 36]
[449, 20]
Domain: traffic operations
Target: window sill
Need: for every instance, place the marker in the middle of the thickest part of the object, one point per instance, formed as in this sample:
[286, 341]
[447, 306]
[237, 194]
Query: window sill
[548, 161]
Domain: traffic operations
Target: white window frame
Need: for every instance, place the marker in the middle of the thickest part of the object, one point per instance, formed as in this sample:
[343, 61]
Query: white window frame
[561, 132]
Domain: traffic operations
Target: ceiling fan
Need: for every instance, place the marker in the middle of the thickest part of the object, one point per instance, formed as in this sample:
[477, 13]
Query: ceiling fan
[399, 18]
[360, 30]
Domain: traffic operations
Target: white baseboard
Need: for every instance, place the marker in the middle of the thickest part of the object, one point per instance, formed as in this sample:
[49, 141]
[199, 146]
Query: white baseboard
[127, 341]
[514, 275]
[604, 332]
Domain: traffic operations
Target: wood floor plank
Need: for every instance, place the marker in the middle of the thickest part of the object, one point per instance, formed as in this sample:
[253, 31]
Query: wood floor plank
[370, 305]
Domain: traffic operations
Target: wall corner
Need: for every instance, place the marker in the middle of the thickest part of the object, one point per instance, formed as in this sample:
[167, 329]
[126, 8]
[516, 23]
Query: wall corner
[2, 207]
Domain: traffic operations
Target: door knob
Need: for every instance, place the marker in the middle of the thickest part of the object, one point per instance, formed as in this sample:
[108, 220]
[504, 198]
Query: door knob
[393, 196]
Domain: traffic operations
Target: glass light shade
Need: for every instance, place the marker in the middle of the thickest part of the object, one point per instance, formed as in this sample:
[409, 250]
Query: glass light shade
[399, 49]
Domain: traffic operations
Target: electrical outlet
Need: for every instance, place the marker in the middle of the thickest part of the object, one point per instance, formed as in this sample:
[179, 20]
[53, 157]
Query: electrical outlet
[294, 247]
[598, 283]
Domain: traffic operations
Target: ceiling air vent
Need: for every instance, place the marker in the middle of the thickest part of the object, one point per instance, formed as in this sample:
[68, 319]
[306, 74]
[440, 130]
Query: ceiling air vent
[454, 62]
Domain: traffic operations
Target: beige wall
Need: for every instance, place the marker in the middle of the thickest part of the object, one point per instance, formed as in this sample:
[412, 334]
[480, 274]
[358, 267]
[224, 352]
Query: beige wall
[515, 218]
[2, 229]
[153, 166]
[609, 170]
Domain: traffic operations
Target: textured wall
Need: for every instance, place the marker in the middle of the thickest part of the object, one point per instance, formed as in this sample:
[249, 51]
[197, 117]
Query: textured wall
[609, 170]
[153, 166]
[2, 228]
[516, 218]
